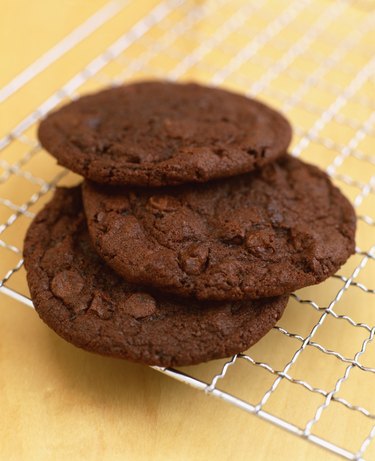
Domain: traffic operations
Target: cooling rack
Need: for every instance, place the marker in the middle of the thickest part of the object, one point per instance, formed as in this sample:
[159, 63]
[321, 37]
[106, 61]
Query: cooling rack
[315, 61]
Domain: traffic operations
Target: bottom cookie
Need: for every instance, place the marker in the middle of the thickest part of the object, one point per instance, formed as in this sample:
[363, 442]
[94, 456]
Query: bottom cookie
[86, 303]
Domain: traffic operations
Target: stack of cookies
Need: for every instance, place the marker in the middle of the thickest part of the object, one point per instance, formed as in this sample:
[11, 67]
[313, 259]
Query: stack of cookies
[190, 230]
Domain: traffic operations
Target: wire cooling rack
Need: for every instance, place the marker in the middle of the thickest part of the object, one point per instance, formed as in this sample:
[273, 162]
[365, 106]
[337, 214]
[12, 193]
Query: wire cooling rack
[314, 60]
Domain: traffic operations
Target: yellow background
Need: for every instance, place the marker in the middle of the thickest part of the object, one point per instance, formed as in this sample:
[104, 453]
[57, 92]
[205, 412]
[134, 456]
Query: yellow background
[58, 402]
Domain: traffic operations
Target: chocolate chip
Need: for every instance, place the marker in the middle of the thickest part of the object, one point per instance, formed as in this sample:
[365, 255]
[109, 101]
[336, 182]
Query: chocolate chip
[233, 233]
[194, 259]
[68, 285]
[260, 242]
[163, 202]
[102, 306]
[139, 305]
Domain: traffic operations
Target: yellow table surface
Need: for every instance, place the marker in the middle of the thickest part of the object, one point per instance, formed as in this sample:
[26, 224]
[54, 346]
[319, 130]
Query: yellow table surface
[61, 403]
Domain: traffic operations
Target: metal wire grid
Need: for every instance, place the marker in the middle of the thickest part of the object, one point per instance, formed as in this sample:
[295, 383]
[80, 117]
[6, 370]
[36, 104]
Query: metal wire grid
[258, 47]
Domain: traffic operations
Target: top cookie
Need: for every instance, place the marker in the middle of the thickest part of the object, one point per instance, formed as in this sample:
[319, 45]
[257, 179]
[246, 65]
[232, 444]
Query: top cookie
[161, 133]
[261, 234]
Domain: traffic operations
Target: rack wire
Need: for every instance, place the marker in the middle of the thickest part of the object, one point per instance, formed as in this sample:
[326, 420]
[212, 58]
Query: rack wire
[294, 55]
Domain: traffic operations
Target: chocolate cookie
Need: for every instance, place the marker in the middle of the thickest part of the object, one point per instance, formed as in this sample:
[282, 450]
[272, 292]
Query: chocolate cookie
[261, 234]
[86, 303]
[155, 134]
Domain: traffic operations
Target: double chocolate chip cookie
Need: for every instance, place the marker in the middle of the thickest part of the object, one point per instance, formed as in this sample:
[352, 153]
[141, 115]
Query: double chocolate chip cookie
[160, 133]
[89, 305]
[257, 235]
